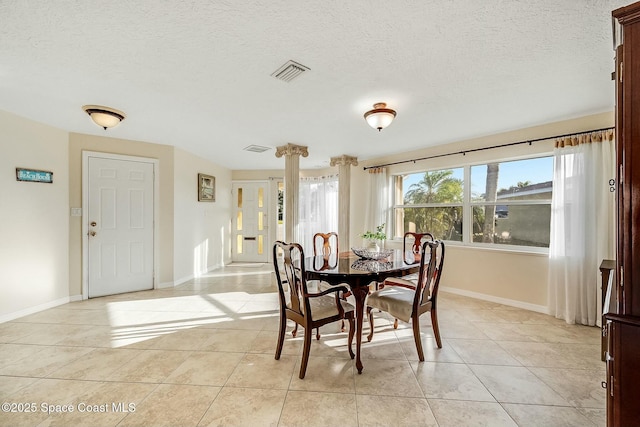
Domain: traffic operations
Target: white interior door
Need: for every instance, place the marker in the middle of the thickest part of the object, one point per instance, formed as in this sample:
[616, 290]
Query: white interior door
[120, 226]
[250, 221]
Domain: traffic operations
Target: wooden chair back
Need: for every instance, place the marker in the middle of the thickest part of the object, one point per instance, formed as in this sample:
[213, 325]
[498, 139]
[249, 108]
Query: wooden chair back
[288, 263]
[431, 264]
[412, 245]
[325, 243]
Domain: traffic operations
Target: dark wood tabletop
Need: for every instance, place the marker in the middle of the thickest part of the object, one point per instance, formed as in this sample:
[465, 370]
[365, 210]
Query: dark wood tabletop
[348, 267]
[358, 273]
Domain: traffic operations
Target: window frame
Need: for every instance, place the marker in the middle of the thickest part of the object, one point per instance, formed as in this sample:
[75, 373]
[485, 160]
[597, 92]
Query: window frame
[468, 205]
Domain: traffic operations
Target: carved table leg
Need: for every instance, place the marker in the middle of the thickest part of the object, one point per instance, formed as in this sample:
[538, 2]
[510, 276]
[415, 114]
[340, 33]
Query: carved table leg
[360, 295]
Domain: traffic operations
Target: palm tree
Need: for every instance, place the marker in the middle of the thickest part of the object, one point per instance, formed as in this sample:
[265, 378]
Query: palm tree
[435, 187]
[490, 210]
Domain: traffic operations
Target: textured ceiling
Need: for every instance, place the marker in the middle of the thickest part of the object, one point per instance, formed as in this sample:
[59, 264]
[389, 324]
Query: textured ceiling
[197, 74]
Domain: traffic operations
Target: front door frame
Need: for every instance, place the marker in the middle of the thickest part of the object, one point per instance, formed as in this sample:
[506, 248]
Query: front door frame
[85, 211]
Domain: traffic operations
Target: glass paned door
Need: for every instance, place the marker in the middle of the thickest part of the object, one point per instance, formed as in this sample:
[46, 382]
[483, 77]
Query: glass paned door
[249, 223]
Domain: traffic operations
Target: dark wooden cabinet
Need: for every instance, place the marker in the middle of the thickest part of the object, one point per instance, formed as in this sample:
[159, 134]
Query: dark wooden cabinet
[623, 370]
[622, 316]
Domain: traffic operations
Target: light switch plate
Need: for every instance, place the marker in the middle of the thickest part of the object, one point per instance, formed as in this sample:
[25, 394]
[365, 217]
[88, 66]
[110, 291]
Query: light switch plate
[76, 211]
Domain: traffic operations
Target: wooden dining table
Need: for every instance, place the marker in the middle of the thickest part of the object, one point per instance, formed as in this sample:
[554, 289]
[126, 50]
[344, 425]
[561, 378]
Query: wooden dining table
[358, 273]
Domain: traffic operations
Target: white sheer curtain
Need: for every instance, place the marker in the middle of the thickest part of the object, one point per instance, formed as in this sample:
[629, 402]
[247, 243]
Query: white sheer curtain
[318, 209]
[377, 208]
[582, 221]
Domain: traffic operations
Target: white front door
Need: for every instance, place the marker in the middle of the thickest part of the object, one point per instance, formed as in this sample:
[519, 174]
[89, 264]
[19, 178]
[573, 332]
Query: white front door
[249, 221]
[120, 226]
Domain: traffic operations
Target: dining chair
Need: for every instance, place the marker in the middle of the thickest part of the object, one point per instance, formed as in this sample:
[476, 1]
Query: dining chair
[407, 300]
[325, 243]
[412, 245]
[307, 309]
[412, 252]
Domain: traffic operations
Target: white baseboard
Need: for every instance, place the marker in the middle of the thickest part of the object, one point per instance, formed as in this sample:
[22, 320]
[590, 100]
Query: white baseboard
[510, 302]
[185, 279]
[165, 285]
[73, 298]
[35, 309]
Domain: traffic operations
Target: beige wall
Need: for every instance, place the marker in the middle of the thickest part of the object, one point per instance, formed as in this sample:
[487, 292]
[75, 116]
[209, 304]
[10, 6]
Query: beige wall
[165, 155]
[201, 229]
[265, 174]
[519, 278]
[41, 245]
[35, 217]
[257, 175]
[34, 242]
[510, 277]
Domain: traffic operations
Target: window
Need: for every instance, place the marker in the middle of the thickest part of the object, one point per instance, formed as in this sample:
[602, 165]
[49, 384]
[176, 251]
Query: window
[280, 212]
[505, 203]
[318, 208]
[511, 202]
[430, 201]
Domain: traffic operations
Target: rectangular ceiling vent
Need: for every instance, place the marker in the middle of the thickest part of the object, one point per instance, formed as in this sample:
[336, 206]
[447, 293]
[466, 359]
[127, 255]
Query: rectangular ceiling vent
[256, 148]
[289, 71]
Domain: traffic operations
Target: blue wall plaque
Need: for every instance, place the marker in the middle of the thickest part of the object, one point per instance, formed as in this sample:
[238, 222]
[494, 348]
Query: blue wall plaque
[32, 175]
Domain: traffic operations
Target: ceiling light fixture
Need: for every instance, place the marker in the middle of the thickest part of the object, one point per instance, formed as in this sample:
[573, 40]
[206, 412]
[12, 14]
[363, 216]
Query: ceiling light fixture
[104, 117]
[380, 117]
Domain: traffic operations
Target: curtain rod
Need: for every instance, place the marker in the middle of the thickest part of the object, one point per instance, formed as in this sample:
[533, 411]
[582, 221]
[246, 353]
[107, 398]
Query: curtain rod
[464, 152]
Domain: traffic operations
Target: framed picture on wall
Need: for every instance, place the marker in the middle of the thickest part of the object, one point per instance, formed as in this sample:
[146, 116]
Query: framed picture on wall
[206, 188]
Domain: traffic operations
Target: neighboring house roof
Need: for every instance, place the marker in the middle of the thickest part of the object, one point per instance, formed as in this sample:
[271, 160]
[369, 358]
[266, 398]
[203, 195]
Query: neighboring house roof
[528, 190]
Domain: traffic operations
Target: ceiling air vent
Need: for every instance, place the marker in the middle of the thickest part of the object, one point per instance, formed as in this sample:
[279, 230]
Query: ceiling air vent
[256, 148]
[289, 71]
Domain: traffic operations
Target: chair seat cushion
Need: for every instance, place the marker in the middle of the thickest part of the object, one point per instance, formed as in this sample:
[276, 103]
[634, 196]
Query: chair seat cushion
[394, 300]
[314, 286]
[325, 306]
[319, 285]
[413, 277]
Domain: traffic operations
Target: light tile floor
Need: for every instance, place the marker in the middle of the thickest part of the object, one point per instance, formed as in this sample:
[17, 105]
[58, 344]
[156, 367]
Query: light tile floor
[203, 354]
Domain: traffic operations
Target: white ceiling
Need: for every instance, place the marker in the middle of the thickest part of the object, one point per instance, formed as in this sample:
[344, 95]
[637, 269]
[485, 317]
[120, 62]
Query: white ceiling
[197, 74]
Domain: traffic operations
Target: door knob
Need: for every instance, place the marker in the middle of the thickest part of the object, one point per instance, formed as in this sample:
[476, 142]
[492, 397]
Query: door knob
[93, 223]
[92, 233]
